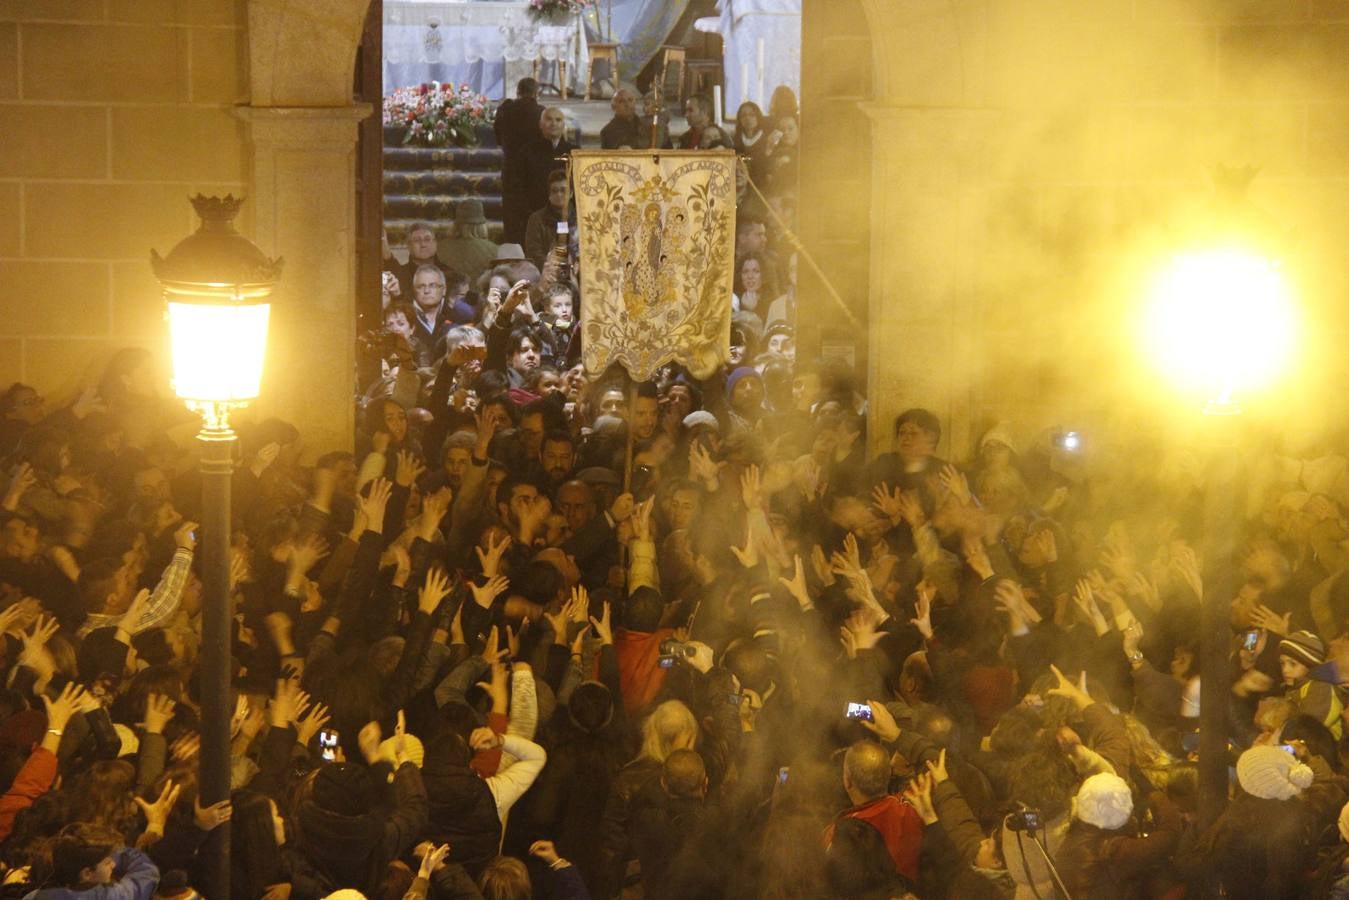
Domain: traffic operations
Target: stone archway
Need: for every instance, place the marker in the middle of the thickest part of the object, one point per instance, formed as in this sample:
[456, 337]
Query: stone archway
[303, 129]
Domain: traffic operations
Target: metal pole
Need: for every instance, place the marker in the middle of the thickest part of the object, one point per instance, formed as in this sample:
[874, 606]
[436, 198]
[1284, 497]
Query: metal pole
[217, 443]
[1215, 681]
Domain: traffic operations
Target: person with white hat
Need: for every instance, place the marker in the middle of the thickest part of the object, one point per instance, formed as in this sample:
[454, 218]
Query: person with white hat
[1103, 856]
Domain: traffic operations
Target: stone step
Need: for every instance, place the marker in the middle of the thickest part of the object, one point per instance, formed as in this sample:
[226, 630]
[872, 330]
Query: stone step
[434, 207]
[443, 181]
[419, 159]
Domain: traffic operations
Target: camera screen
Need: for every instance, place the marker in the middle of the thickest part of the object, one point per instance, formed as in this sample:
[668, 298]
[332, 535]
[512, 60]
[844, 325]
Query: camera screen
[859, 711]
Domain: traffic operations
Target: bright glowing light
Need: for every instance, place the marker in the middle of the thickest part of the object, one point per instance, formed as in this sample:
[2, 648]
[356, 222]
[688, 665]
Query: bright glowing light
[1220, 322]
[218, 350]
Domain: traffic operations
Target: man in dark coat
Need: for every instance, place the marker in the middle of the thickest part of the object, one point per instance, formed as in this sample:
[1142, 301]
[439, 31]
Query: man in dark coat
[516, 127]
[621, 132]
[544, 155]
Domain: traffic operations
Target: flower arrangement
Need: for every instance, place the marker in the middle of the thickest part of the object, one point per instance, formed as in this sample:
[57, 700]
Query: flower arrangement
[553, 10]
[438, 115]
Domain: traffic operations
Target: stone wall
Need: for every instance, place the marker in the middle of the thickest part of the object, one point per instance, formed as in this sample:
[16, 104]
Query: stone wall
[1028, 154]
[112, 113]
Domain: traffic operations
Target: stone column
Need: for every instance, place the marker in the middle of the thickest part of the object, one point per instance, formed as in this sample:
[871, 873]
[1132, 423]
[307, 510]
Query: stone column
[927, 176]
[304, 210]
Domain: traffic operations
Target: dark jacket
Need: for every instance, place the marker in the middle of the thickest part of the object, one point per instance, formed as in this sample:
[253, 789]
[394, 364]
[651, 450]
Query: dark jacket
[1095, 863]
[462, 810]
[620, 133]
[351, 851]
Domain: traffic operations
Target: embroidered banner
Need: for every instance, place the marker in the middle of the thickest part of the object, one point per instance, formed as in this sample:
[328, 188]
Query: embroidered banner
[657, 238]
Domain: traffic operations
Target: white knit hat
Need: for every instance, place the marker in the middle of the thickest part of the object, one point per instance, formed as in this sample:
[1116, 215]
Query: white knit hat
[1104, 800]
[1272, 773]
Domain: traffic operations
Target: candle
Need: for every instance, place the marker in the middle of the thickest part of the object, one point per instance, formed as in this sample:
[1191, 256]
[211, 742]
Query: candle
[744, 82]
[760, 96]
[716, 103]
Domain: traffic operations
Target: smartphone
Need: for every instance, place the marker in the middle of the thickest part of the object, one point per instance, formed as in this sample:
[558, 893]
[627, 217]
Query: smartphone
[860, 711]
[782, 774]
[563, 227]
[666, 662]
[1250, 639]
[328, 744]
[1288, 748]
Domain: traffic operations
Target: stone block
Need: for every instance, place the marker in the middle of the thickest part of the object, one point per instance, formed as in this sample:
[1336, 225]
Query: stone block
[54, 298]
[1328, 139]
[1219, 11]
[1284, 62]
[1173, 63]
[844, 68]
[11, 360]
[219, 66]
[1187, 142]
[137, 301]
[54, 142]
[180, 12]
[10, 222]
[1059, 65]
[104, 221]
[61, 367]
[115, 62]
[59, 10]
[9, 60]
[157, 143]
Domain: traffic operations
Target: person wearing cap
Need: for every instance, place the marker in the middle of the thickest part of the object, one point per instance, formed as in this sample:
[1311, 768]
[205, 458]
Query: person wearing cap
[744, 397]
[1264, 843]
[468, 249]
[1300, 654]
[1101, 856]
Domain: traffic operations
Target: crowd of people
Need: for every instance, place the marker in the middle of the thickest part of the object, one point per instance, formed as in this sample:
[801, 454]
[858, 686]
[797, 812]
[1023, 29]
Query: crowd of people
[546, 633]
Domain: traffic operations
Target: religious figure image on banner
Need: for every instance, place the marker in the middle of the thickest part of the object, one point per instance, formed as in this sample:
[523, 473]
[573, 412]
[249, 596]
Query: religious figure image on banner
[657, 237]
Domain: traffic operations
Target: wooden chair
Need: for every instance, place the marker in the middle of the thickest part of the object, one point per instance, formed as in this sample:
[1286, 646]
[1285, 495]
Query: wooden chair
[609, 53]
[671, 55]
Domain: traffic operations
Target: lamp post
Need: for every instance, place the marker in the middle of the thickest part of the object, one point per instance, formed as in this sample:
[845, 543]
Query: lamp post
[1219, 322]
[217, 286]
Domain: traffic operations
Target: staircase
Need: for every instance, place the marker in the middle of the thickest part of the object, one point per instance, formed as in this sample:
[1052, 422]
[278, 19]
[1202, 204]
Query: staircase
[423, 184]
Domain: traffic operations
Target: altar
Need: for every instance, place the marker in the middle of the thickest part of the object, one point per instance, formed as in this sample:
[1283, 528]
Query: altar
[486, 44]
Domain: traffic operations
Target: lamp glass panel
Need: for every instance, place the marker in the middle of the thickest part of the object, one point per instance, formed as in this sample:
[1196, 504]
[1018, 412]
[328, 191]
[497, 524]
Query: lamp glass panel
[218, 350]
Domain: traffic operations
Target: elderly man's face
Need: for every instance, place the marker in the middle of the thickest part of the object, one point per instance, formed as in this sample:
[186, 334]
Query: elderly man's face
[429, 289]
[611, 404]
[624, 104]
[422, 244]
[552, 123]
[577, 502]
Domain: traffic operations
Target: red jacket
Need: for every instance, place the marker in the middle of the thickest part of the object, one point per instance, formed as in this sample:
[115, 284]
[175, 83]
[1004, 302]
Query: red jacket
[33, 780]
[639, 671]
[900, 826]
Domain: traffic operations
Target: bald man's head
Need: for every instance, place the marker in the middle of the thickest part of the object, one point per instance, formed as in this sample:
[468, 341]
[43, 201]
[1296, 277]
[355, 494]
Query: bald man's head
[866, 770]
[552, 123]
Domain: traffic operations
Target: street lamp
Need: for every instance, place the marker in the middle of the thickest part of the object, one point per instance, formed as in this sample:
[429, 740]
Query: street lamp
[1219, 323]
[217, 286]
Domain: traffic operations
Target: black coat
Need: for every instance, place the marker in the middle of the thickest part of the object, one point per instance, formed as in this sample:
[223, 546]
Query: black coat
[463, 811]
[541, 158]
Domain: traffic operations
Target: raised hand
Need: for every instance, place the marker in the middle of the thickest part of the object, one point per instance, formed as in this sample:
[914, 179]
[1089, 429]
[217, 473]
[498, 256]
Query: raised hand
[375, 504]
[956, 484]
[265, 456]
[796, 585]
[185, 535]
[157, 813]
[1185, 563]
[433, 860]
[1085, 601]
[311, 723]
[545, 851]
[491, 559]
[922, 609]
[484, 739]
[518, 293]
[702, 468]
[408, 469]
[368, 741]
[435, 589]
[883, 724]
[1077, 693]
[918, 794]
[823, 571]
[1264, 617]
[22, 478]
[484, 595]
[641, 519]
[749, 554]
[602, 628]
[66, 704]
[492, 651]
[304, 553]
[622, 507]
[911, 509]
[889, 503]
[434, 507]
[209, 818]
[937, 768]
[848, 562]
[751, 486]
[487, 429]
[158, 710]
